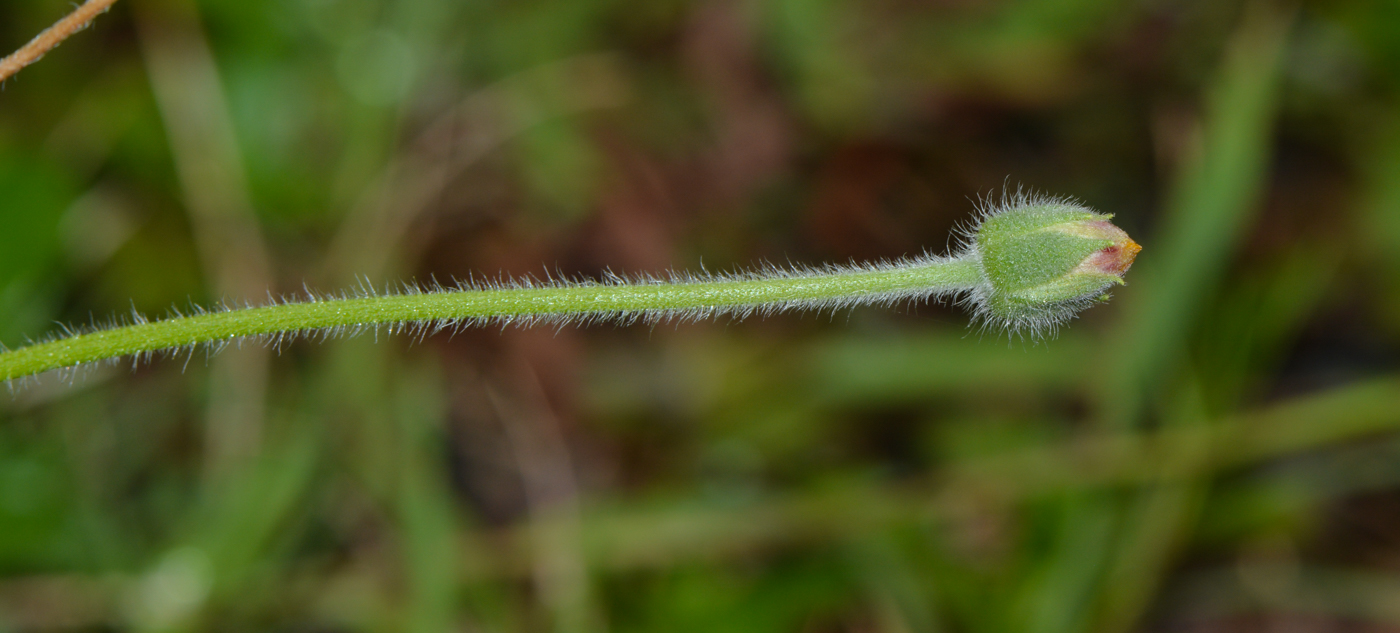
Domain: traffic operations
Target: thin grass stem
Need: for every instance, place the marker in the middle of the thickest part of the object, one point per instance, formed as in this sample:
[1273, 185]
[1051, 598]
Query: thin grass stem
[51, 37]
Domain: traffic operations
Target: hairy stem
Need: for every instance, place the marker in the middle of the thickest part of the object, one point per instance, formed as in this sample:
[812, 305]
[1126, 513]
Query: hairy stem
[740, 295]
[44, 42]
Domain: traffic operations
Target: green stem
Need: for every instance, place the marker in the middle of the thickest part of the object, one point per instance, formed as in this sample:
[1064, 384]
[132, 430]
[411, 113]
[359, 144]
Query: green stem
[774, 291]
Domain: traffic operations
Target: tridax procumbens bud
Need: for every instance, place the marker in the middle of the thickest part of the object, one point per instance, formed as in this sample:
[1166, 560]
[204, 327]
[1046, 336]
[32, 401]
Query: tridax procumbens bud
[1030, 263]
[1044, 259]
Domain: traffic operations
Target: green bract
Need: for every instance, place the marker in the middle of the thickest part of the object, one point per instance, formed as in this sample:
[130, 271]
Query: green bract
[1043, 260]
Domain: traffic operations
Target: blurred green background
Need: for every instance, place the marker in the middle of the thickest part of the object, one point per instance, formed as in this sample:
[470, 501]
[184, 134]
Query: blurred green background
[1217, 449]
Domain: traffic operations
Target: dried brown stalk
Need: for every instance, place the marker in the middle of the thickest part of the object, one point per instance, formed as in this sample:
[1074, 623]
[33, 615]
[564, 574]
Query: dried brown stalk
[76, 21]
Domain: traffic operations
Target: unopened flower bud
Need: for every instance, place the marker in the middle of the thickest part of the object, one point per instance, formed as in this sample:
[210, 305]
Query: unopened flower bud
[1045, 259]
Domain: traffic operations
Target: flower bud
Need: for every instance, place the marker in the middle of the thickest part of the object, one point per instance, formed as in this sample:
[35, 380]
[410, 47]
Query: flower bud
[1045, 259]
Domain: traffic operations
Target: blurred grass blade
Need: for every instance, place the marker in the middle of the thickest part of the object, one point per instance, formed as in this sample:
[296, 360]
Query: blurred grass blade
[1053, 597]
[1208, 213]
[1355, 595]
[208, 162]
[652, 535]
[1380, 215]
[1161, 517]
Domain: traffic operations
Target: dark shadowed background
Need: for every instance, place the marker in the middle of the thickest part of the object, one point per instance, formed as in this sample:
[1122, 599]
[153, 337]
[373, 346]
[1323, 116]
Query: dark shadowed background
[1217, 449]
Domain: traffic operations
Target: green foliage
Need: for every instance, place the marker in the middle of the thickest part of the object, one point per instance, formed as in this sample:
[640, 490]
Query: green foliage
[1216, 448]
